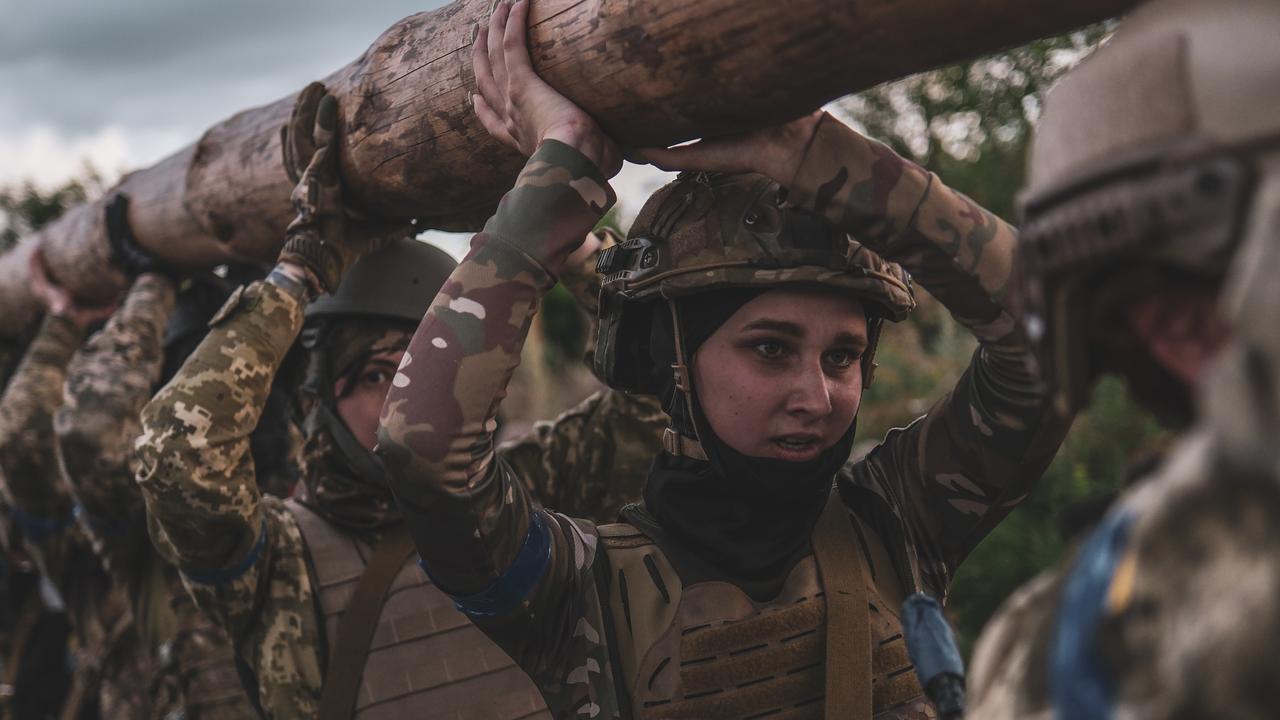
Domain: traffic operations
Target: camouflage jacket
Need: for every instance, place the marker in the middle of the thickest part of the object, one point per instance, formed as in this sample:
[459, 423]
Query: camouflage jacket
[108, 662]
[592, 459]
[1168, 608]
[242, 554]
[109, 380]
[934, 489]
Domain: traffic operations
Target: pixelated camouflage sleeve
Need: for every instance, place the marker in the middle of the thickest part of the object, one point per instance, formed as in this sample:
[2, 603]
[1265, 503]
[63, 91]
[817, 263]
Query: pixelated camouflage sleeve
[108, 381]
[195, 470]
[956, 472]
[28, 455]
[594, 458]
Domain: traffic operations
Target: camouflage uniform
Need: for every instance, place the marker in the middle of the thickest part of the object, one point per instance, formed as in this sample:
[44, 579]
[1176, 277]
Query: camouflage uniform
[109, 666]
[934, 489]
[108, 381]
[242, 554]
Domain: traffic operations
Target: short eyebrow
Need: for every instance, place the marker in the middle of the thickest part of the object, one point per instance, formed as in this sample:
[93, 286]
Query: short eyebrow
[796, 331]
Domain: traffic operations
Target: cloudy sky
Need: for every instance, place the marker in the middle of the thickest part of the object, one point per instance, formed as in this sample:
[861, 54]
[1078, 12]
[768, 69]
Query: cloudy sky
[121, 84]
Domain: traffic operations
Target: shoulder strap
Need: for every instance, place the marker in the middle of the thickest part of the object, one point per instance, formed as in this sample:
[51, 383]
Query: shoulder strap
[359, 621]
[844, 579]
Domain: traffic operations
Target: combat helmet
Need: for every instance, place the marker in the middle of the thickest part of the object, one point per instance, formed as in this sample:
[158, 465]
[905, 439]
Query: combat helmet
[396, 283]
[1161, 149]
[711, 231]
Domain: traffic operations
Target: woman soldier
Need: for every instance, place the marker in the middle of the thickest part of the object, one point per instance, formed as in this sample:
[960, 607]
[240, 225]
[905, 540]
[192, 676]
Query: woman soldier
[736, 589]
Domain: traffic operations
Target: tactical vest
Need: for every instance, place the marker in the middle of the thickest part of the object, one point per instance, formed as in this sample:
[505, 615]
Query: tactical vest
[426, 658]
[707, 650]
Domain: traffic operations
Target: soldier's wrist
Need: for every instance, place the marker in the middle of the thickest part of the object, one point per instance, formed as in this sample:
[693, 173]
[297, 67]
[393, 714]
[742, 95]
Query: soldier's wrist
[556, 201]
[291, 277]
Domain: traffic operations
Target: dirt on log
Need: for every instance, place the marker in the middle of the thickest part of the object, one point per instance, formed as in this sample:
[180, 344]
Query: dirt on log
[652, 71]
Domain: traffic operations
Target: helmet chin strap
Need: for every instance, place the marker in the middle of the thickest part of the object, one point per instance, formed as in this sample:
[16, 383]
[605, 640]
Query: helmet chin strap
[672, 441]
[324, 414]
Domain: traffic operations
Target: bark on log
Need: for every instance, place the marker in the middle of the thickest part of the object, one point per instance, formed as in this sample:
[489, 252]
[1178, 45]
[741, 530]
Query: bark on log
[652, 71]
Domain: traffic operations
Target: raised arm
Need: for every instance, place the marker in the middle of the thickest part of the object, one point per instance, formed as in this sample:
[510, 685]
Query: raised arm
[33, 485]
[468, 517]
[33, 481]
[960, 469]
[195, 470]
[108, 381]
[593, 458]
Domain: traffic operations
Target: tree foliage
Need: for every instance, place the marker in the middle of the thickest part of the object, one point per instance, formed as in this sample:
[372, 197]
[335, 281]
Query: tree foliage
[971, 123]
[26, 208]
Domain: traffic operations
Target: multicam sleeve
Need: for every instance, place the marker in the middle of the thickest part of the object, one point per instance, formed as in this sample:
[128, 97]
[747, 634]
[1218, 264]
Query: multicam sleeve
[33, 484]
[108, 381]
[195, 471]
[956, 472]
[472, 519]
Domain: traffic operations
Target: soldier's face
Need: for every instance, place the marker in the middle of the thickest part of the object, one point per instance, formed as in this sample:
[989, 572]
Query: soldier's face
[781, 378]
[360, 405]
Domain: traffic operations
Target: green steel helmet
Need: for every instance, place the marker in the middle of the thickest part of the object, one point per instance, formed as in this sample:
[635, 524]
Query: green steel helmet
[710, 231]
[397, 282]
[1154, 155]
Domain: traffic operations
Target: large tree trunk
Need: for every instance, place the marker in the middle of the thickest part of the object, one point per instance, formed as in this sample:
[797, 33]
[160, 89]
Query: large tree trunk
[652, 71]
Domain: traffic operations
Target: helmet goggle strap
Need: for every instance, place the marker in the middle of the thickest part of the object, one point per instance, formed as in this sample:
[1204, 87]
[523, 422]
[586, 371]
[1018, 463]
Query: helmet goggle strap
[323, 413]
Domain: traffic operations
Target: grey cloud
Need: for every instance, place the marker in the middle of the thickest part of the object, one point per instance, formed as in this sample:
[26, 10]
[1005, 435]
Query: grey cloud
[154, 64]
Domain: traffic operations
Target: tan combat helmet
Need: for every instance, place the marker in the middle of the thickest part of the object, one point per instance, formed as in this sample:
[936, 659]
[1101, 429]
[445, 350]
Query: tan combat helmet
[708, 231]
[1157, 150]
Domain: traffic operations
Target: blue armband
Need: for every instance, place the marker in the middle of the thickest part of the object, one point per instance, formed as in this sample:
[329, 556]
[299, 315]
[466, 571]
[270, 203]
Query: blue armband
[1078, 684]
[38, 530]
[234, 572]
[513, 586]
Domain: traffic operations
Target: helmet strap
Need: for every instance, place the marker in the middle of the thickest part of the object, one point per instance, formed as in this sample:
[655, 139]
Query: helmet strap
[672, 441]
[874, 327]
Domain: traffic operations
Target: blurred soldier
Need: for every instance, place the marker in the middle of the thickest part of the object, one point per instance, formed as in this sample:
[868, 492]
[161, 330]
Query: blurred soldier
[1152, 241]
[330, 614]
[110, 671]
[108, 381]
[743, 586]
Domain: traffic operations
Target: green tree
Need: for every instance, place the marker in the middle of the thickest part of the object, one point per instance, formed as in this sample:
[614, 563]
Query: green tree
[971, 123]
[26, 208]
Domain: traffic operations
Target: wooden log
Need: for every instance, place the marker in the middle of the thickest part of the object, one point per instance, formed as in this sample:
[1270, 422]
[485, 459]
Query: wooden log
[652, 71]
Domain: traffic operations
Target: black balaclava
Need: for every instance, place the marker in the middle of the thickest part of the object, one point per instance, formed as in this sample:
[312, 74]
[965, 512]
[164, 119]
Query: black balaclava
[341, 481]
[733, 517]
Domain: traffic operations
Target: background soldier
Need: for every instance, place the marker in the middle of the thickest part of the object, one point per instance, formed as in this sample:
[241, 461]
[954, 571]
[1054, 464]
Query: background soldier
[110, 671]
[108, 381]
[304, 585]
[1151, 235]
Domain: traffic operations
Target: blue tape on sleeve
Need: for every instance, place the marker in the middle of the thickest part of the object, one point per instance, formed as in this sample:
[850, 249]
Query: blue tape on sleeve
[235, 571]
[1078, 684]
[513, 586]
[38, 530]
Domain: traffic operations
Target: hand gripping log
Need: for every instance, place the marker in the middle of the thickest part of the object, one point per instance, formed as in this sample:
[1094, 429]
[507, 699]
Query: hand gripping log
[652, 71]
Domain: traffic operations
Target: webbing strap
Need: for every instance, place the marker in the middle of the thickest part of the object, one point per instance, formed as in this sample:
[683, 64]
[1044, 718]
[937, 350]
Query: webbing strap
[844, 579]
[359, 621]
